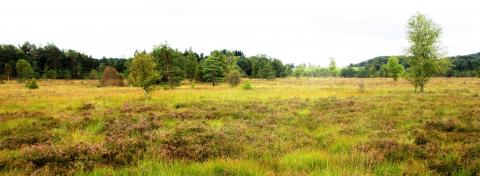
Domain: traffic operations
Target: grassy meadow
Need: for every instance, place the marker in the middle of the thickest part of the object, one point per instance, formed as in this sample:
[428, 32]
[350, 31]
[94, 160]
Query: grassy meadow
[307, 126]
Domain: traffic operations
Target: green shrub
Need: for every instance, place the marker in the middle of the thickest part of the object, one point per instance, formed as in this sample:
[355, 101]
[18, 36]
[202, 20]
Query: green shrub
[51, 74]
[247, 85]
[93, 74]
[233, 78]
[32, 84]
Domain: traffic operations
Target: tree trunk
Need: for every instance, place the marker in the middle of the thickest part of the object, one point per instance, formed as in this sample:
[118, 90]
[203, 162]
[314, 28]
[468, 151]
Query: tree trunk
[421, 88]
[415, 88]
[213, 82]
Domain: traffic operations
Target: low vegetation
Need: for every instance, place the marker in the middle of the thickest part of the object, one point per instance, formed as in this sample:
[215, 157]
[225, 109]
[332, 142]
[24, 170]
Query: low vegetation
[31, 84]
[282, 127]
[111, 77]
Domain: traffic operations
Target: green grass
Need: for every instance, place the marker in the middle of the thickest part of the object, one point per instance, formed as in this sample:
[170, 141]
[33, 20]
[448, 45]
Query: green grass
[303, 161]
[388, 169]
[158, 168]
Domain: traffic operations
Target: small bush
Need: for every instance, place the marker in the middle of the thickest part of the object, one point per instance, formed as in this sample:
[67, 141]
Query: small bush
[32, 84]
[51, 74]
[247, 85]
[111, 77]
[123, 151]
[36, 132]
[421, 138]
[450, 125]
[61, 160]
[93, 74]
[125, 127]
[197, 143]
[233, 78]
[86, 107]
[387, 150]
[17, 141]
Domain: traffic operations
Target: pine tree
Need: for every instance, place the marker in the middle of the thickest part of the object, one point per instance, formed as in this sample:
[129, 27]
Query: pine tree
[170, 63]
[214, 67]
[24, 69]
[190, 65]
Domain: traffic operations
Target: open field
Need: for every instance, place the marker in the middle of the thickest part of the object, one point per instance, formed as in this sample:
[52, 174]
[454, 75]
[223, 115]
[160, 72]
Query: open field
[316, 126]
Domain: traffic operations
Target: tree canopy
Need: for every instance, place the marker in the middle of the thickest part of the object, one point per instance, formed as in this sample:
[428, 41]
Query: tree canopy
[214, 67]
[65, 63]
[173, 66]
[142, 72]
[424, 55]
[24, 69]
[393, 68]
[170, 65]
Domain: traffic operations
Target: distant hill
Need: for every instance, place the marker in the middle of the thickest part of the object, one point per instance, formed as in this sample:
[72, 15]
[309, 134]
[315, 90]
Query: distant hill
[379, 61]
[466, 65]
[463, 65]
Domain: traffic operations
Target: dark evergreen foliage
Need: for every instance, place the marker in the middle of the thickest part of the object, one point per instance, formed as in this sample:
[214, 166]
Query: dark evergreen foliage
[51, 62]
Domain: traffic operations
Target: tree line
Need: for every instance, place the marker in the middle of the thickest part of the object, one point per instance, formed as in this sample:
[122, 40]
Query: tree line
[50, 62]
[461, 66]
[169, 66]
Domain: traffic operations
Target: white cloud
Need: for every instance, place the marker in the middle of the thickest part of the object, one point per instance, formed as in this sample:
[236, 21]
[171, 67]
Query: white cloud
[295, 31]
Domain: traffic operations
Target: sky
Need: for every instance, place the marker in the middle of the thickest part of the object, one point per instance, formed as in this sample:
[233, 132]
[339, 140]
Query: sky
[295, 31]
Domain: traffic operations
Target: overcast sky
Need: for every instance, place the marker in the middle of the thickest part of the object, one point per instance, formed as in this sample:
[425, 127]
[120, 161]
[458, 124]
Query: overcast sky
[295, 31]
